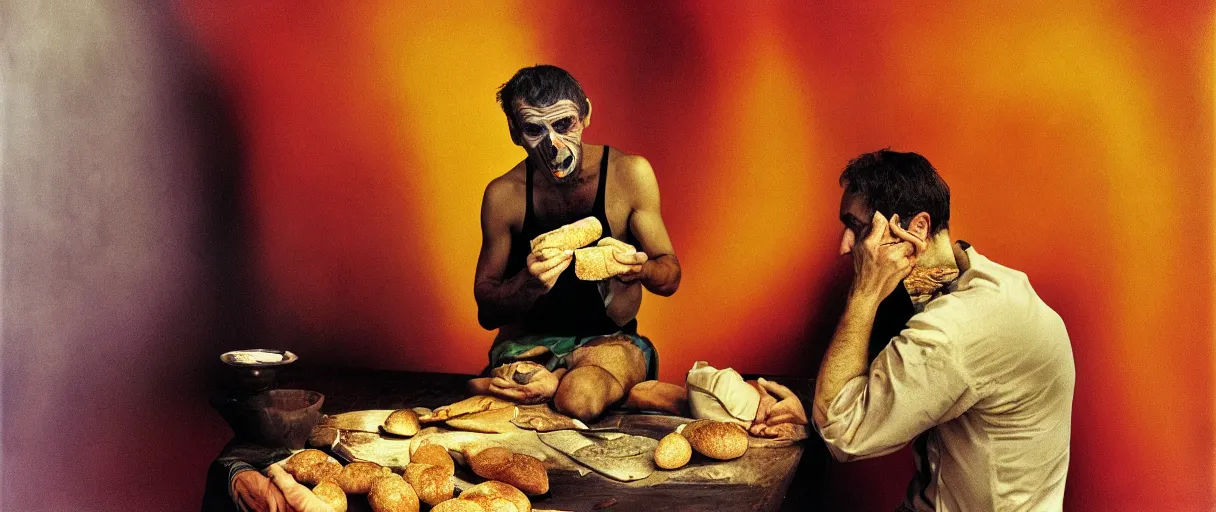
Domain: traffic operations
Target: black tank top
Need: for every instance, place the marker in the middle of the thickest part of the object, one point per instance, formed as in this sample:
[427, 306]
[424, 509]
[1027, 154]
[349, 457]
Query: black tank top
[573, 307]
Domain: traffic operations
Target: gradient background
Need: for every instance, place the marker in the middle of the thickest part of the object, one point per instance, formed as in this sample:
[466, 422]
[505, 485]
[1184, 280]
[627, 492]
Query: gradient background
[1076, 136]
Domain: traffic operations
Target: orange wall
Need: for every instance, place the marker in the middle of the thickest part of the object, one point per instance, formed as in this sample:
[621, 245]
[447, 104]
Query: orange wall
[1076, 137]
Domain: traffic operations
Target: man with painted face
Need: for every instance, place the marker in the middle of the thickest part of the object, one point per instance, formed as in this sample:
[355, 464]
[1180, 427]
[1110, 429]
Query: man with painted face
[981, 378]
[542, 310]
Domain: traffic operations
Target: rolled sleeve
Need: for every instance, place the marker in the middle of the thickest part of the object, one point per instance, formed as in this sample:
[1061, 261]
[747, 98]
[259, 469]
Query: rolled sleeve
[914, 384]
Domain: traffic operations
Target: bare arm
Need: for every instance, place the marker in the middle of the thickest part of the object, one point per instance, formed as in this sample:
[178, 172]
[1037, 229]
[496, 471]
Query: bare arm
[502, 299]
[661, 272]
[846, 355]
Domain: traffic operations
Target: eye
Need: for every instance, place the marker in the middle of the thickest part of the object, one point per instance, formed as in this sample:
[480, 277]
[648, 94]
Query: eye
[533, 129]
[563, 125]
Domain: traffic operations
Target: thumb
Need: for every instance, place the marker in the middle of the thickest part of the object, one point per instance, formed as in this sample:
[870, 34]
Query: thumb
[776, 389]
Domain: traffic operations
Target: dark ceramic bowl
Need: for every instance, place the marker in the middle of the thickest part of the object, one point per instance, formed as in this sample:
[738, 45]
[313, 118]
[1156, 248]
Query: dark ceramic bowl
[279, 418]
[246, 377]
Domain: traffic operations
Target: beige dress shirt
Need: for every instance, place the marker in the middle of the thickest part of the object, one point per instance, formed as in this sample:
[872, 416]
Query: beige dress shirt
[982, 380]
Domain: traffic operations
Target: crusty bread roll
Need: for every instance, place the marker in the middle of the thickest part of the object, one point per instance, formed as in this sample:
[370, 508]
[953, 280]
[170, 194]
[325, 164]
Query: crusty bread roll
[432, 483]
[392, 494]
[331, 493]
[303, 459]
[435, 455]
[314, 474]
[716, 439]
[458, 505]
[571, 236]
[599, 263]
[673, 451]
[523, 472]
[358, 477]
[402, 422]
[488, 493]
[494, 421]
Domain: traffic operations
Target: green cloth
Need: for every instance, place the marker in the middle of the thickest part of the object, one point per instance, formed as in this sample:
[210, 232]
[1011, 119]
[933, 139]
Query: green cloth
[560, 347]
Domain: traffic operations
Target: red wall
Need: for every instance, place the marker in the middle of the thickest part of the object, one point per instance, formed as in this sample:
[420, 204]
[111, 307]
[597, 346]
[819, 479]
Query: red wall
[1076, 137]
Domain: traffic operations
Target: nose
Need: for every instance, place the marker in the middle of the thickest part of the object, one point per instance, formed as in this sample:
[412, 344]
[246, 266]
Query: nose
[555, 140]
[846, 242]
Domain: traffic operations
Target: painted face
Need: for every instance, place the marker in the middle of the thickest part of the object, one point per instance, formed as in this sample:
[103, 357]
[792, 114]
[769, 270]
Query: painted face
[552, 135]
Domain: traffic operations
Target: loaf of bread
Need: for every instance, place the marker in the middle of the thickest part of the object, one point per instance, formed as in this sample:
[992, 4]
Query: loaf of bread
[432, 483]
[491, 493]
[316, 473]
[599, 263]
[473, 404]
[494, 421]
[459, 505]
[303, 459]
[524, 472]
[435, 455]
[571, 236]
[716, 439]
[673, 451]
[358, 477]
[392, 494]
[331, 493]
[402, 422]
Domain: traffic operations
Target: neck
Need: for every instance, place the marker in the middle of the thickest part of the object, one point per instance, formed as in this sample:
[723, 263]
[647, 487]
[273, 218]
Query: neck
[940, 253]
[935, 268]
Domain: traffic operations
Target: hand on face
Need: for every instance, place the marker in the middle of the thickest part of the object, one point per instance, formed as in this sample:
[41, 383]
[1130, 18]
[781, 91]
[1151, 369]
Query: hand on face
[883, 258]
[523, 382]
[778, 406]
[546, 265]
[258, 493]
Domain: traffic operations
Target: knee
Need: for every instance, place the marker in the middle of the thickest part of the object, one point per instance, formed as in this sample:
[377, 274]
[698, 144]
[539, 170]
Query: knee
[586, 392]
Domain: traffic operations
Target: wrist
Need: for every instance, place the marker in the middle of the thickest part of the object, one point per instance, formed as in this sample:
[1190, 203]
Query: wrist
[863, 299]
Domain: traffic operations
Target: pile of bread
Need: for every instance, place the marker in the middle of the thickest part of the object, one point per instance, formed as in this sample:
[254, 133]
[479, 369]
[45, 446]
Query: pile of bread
[590, 263]
[511, 478]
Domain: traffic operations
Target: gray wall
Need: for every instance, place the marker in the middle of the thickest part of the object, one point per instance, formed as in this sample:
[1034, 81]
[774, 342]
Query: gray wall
[119, 257]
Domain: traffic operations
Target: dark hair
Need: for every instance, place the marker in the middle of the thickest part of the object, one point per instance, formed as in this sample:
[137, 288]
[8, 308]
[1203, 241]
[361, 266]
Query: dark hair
[899, 183]
[542, 85]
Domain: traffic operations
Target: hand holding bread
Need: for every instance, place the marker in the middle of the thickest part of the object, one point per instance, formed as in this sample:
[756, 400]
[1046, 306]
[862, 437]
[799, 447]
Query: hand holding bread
[609, 258]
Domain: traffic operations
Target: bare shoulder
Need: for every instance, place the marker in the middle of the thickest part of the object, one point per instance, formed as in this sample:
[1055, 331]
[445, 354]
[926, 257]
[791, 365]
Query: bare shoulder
[632, 171]
[504, 196]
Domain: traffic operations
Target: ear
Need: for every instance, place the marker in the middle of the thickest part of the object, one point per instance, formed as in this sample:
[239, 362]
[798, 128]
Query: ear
[920, 225]
[514, 132]
[587, 118]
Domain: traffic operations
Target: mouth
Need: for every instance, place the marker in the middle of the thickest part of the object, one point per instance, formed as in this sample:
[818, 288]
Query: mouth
[563, 168]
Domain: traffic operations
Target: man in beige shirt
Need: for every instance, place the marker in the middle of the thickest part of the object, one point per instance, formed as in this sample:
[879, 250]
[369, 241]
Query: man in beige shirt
[981, 378]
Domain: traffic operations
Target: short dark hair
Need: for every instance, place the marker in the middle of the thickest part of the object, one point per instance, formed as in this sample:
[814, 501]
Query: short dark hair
[542, 85]
[891, 182]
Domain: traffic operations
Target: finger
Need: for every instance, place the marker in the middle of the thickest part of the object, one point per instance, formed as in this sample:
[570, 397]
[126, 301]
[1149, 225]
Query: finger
[552, 274]
[878, 227]
[919, 245]
[543, 266]
[776, 389]
[612, 242]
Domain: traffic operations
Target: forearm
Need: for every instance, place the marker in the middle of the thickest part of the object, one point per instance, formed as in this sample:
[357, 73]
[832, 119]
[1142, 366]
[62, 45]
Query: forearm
[846, 356]
[500, 303]
[661, 275]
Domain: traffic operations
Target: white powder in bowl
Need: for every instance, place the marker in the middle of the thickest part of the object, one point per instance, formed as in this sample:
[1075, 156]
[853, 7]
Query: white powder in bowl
[256, 357]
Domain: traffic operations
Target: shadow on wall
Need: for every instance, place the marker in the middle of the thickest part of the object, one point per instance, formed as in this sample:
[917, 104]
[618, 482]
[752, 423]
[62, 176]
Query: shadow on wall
[124, 257]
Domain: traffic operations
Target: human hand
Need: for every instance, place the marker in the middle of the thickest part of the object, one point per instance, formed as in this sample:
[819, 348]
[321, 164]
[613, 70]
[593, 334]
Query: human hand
[298, 497]
[256, 492]
[523, 382]
[883, 258]
[546, 265]
[778, 405]
[626, 255]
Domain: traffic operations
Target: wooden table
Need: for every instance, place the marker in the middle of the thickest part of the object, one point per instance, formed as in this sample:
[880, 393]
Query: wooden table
[774, 468]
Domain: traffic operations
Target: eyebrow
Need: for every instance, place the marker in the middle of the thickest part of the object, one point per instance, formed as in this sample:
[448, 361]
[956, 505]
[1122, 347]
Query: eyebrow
[558, 113]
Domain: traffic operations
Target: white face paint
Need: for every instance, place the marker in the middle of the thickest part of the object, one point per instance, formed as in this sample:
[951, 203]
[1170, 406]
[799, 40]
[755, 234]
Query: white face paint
[553, 135]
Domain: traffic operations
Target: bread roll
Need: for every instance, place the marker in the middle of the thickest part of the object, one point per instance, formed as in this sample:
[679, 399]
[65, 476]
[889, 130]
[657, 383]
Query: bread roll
[459, 505]
[314, 474]
[331, 493]
[402, 422]
[489, 492]
[303, 459]
[571, 236]
[524, 472]
[392, 494]
[599, 263]
[358, 477]
[716, 439]
[673, 451]
[432, 483]
[434, 455]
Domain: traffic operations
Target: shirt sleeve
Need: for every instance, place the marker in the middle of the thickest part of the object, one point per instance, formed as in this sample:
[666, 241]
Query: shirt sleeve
[914, 384]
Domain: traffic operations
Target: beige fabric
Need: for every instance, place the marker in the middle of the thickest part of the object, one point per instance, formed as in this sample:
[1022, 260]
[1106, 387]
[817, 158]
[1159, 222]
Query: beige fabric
[983, 379]
[721, 395]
